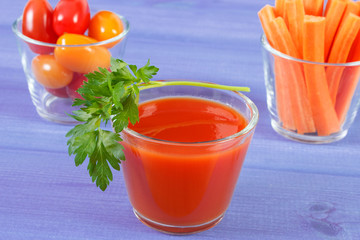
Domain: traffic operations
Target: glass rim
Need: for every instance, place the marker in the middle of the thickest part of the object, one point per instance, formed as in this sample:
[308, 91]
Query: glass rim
[45, 44]
[265, 44]
[247, 129]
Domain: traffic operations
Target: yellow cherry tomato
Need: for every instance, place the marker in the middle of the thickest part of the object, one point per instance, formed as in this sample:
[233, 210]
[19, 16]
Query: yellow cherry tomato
[82, 59]
[49, 73]
[105, 25]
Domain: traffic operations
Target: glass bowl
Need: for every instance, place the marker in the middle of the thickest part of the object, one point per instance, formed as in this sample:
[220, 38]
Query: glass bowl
[186, 187]
[306, 108]
[54, 72]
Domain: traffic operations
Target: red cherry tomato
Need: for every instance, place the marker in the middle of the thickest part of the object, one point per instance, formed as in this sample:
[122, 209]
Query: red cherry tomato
[58, 92]
[75, 84]
[71, 16]
[49, 73]
[105, 25]
[81, 59]
[37, 24]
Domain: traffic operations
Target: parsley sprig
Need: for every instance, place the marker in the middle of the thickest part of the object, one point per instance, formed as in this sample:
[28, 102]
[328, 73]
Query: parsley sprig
[112, 96]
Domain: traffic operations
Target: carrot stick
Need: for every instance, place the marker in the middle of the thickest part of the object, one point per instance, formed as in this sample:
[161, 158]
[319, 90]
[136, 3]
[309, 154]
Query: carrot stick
[354, 54]
[300, 106]
[340, 51]
[283, 95]
[294, 18]
[279, 8]
[266, 15]
[349, 81]
[333, 17]
[283, 40]
[323, 111]
[351, 7]
[344, 39]
[314, 7]
[328, 3]
[347, 88]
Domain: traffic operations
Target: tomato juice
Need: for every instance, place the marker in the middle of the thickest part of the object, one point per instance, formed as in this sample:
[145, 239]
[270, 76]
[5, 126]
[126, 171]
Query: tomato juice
[183, 159]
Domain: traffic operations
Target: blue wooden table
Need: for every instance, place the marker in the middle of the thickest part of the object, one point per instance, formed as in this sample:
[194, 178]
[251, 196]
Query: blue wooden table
[287, 190]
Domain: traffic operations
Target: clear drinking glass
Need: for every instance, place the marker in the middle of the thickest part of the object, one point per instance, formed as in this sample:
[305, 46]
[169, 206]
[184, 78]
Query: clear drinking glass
[183, 188]
[53, 72]
[309, 101]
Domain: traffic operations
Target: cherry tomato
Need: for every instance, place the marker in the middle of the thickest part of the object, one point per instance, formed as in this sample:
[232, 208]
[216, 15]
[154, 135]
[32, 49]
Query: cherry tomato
[81, 59]
[58, 92]
[49, 73]
[75, 84]
[71, 16]
[37, 24]
[105, 25]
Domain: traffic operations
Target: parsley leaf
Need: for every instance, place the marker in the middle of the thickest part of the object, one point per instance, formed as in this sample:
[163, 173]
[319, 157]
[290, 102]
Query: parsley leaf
[107, 96]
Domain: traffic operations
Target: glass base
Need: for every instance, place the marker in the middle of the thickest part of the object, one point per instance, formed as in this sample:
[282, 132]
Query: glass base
[55, 109]
[177, 230]
[307, 138]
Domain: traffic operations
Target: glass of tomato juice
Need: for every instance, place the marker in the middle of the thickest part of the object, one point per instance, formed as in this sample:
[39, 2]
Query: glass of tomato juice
[54, 71]
[184, 156]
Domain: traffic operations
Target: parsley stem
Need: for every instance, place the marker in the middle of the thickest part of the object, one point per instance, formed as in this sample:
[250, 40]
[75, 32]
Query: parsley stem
[109, 85]
[153, 84]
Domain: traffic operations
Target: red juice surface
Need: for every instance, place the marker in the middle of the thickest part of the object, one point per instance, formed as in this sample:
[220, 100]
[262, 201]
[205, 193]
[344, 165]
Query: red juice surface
[188, 120]
[184, 180]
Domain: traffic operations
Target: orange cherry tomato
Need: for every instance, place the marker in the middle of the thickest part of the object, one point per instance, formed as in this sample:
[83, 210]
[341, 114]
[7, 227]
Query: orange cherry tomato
[82, 59]
[49, 73]
[105, 25]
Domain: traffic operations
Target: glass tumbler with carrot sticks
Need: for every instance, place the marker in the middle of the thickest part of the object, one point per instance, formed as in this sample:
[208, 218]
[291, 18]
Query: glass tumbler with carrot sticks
[311, 56]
